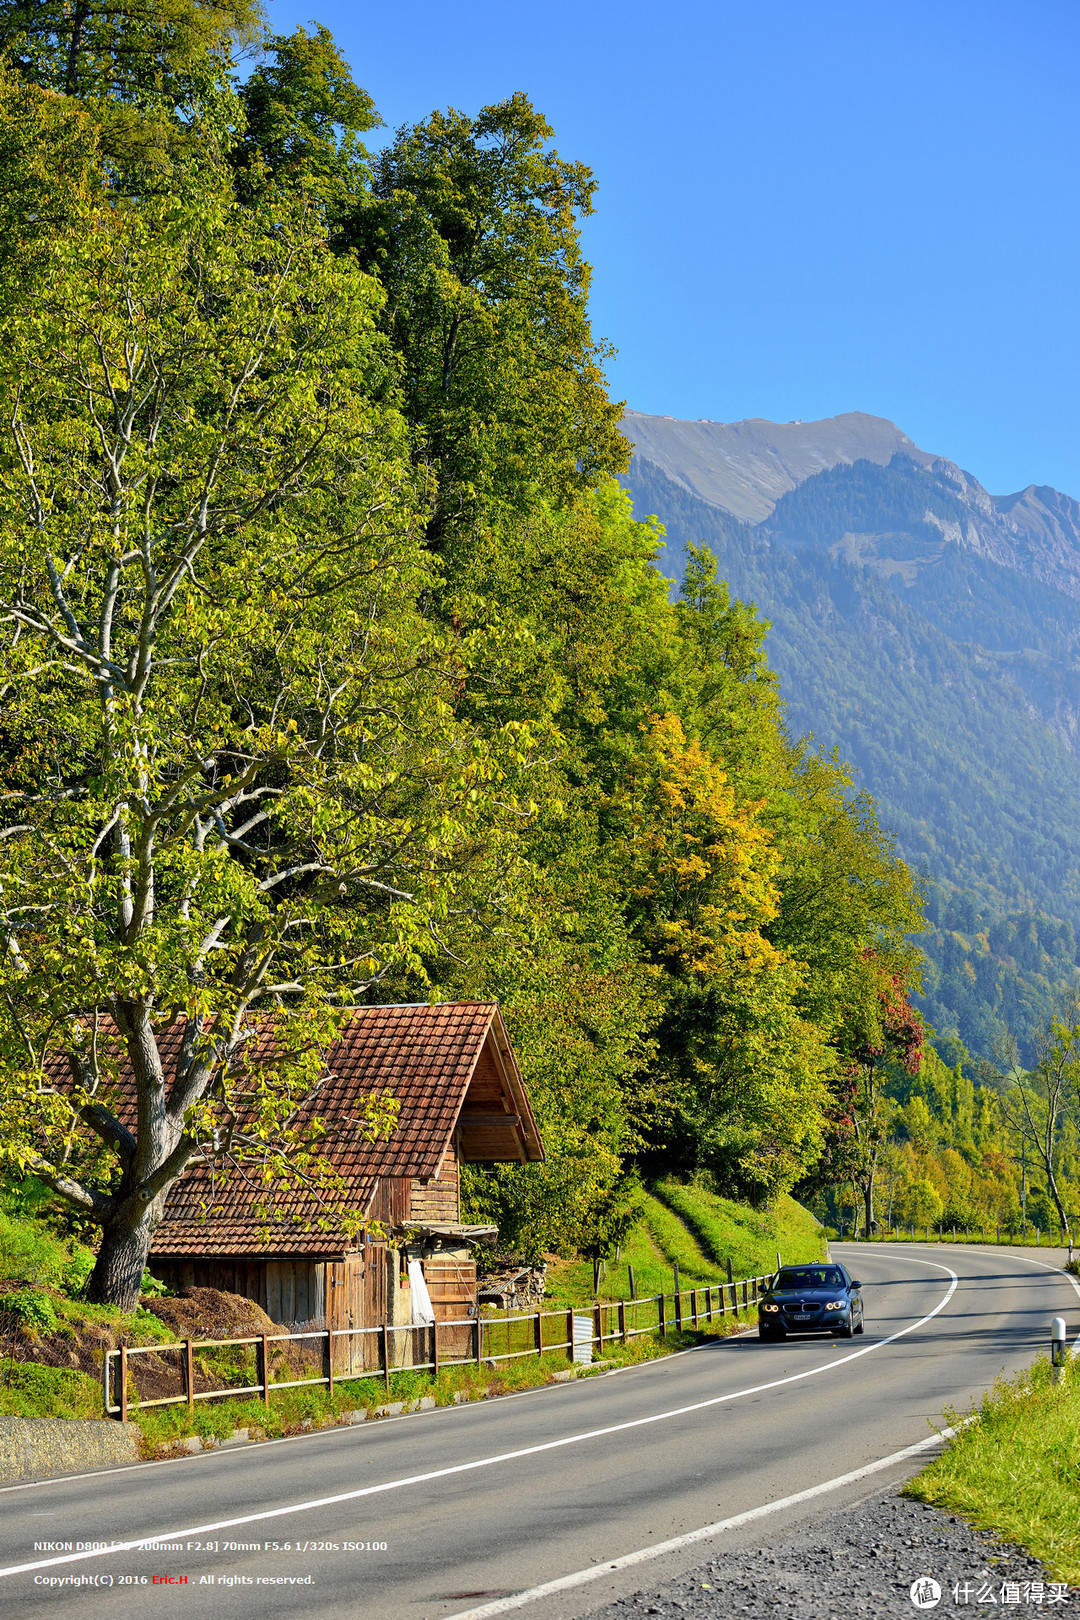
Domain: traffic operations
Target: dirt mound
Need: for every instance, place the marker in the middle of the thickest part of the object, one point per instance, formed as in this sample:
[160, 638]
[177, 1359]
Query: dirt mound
[206, 1313]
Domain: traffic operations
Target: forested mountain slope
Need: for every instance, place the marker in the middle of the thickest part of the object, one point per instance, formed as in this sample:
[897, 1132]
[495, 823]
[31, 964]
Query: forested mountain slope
[931, 634]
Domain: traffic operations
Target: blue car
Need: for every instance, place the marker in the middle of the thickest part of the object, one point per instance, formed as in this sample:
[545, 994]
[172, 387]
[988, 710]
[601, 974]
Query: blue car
[811, 1299]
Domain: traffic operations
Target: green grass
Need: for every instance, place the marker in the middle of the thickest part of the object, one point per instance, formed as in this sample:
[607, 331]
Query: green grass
[1015, 1469]
[684, 1224]
[29, 1390]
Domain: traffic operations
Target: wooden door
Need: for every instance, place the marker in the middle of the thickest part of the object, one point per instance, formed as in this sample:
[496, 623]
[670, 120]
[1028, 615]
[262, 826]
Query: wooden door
[452, 1287]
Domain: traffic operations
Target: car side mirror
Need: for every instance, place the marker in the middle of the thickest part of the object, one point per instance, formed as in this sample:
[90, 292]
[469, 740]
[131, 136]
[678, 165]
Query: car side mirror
[855, 1284]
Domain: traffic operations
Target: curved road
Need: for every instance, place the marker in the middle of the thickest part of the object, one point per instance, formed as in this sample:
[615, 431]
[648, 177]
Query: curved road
[468, 1505]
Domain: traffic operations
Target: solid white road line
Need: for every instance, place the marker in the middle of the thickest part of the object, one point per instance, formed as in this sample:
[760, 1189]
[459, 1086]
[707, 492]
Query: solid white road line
[244, 1451]
[149, 1542]
[597, 1572]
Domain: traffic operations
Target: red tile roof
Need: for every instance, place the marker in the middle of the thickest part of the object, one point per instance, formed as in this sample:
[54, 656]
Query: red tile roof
[422, 1055]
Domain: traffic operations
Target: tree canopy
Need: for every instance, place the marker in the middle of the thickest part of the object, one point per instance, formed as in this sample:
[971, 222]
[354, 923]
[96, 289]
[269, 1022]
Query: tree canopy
[337, 666]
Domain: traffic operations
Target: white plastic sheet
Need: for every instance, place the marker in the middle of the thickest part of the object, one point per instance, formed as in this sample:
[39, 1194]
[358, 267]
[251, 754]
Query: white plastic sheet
[422, 1313]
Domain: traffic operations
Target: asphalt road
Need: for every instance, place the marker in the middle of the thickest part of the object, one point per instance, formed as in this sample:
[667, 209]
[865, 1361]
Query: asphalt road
[443, 1513]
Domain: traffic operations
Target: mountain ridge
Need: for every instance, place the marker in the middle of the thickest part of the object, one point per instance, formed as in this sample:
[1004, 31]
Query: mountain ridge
[930, 632]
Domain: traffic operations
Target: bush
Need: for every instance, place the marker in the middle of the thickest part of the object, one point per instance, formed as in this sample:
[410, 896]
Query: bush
[32, 1309]
[30, 1253]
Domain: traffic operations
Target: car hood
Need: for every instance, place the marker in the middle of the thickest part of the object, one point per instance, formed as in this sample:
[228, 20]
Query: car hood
[820, 1295]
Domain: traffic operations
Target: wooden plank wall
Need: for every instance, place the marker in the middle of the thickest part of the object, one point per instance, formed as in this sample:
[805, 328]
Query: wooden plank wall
[390, 1200]
[289, 1291]
[438, 1200]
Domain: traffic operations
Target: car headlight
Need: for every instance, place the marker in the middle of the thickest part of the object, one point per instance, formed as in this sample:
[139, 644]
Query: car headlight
[836, 1304]
[770, 1307]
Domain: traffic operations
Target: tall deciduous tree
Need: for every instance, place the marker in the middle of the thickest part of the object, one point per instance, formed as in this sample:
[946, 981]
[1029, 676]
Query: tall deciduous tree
[473, 231]
[1038, 1102]
[233, 781]
[303, 119]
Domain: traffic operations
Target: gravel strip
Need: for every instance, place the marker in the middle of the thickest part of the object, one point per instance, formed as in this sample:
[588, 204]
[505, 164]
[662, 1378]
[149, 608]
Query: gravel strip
[859, 1562]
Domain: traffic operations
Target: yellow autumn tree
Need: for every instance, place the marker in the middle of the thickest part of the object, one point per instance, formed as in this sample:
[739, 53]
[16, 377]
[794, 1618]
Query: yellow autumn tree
[744, 1073]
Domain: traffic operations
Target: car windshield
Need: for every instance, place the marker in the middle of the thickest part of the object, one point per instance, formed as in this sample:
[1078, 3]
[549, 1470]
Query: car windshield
[810, 1277]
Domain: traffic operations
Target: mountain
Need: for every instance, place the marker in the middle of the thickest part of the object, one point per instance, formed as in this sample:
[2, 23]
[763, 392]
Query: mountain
[744, 467]
[930, 632]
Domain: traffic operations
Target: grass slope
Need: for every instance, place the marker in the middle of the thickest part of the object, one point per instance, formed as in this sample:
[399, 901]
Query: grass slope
[1016, 1468]
[684, 1224]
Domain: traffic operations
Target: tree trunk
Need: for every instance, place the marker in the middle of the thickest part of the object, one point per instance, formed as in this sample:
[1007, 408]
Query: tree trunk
[121, 1261]
[868, 1195]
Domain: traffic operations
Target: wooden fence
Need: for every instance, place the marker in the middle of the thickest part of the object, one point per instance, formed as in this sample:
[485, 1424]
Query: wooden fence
[493, 1339]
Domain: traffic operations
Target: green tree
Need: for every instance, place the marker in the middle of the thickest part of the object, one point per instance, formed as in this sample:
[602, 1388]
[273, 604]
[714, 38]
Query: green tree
[233, 777]
[155, 72]
[472, 228]
[303, 119]
[1037, 1103]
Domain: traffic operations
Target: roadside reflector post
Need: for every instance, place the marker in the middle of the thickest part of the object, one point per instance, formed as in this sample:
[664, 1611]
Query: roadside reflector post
[630, 1274]
[778, 1259]
[189, 1376]
[1057, 1348]
[123, 1383]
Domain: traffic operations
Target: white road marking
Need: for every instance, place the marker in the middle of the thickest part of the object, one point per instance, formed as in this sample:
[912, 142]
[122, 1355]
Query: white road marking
[242, 1451]
[596, 1572]
[149, 1542]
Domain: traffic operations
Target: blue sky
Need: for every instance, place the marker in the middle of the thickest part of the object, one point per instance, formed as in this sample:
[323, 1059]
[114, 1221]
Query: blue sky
[803, 208]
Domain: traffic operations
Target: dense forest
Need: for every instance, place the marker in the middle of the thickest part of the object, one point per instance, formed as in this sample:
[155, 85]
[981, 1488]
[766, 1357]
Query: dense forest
[337, 667]
[943, 690]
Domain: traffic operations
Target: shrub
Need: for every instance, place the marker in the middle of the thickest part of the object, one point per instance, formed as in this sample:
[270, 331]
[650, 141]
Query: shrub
[32, 1309]
[30, 1253]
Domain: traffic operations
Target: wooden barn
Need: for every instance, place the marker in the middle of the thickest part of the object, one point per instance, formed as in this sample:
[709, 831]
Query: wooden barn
[462, 1101]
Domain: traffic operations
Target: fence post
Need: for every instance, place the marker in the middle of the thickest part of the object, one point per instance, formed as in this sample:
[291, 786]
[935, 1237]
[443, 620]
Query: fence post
[435, 1348]
[678, 1304]
[622, 1320]
[123, 1383]
[633, 1291]
[663, 1316]
[189, 1375]
[598, 1320]
[731, 1285]
[708, 1303]
[386, 1355]
[479, 1331]
[570, 1334]
[330, 1359]
[746, 1295]
[693, 1306]
[538, 1334]
[106, 1382]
